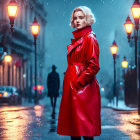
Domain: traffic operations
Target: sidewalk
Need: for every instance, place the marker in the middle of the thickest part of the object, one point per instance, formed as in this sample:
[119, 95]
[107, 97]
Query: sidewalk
[123, 108]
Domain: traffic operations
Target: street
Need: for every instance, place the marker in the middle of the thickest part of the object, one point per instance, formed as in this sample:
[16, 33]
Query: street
[37, 123]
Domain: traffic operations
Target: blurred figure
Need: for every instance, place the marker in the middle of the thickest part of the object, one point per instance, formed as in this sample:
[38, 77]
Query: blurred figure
[53, 83]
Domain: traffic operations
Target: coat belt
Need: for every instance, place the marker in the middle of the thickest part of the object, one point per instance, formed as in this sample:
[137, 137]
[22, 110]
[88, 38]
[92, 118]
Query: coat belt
[77, 64]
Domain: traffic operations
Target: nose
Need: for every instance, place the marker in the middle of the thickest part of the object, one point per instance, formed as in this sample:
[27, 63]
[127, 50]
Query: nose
[77, 21]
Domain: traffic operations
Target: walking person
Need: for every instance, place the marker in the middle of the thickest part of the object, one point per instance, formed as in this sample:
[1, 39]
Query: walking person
[80, 107]
[53, 83]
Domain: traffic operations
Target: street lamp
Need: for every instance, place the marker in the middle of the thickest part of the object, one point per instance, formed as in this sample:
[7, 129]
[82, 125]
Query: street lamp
[114, 49]
[135, 10]
[124, 63]
[124, 66]
[35, 30]
[128, 27]
[12, 12]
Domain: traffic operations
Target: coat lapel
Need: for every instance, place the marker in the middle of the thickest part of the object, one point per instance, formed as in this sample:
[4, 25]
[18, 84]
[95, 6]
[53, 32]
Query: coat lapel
[74, 45]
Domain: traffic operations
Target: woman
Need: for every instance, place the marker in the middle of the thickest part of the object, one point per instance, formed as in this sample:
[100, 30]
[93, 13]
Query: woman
[79, 113]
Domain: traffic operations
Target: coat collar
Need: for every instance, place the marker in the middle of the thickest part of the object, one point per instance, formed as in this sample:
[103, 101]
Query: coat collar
[78, 35]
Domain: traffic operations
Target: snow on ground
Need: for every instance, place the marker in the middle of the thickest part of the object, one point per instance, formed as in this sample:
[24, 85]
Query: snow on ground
[121, 105]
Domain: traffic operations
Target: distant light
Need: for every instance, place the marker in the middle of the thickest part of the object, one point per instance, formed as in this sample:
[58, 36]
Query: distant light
[124, 63]
[133, 67]
[5, 94]
[7, 58]
[102, 89]
[24, 75]
[121, 83]
[39, 87]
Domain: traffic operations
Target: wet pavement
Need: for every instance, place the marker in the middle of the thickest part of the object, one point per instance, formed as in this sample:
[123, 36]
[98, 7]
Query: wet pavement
[37, 123]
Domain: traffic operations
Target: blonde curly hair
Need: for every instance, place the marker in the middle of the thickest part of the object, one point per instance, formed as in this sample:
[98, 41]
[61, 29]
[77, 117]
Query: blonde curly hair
[87, 12]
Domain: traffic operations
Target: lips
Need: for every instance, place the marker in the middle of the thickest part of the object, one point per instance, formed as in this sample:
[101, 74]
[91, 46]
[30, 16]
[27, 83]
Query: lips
[78, 25]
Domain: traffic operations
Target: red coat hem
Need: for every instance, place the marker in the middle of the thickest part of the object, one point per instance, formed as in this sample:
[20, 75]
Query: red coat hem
[67, 134]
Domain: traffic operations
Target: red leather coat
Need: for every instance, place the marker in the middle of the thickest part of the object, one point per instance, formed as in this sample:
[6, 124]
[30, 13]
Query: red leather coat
[79, 113]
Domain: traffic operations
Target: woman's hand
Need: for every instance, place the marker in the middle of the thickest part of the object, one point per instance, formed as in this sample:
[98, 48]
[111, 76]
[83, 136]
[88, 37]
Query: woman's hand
[75, 85]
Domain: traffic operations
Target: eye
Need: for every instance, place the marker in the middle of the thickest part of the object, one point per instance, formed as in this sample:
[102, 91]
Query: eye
[74, 18]
[81, 17]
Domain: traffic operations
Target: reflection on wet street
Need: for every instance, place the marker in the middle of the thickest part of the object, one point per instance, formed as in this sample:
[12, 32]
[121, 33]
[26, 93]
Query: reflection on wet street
[38, 123]
[20, 123]
[130, 123]
[13, 123]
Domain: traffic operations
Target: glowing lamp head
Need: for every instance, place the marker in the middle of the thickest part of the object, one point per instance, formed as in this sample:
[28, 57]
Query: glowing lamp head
[35, 27]
[124, 63]
[135, 9]
[114, 48]
[7, 58]
[128, 25]
[12, 9]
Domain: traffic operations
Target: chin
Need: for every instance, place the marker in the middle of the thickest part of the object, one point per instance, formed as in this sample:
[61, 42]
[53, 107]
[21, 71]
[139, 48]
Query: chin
[79, 28]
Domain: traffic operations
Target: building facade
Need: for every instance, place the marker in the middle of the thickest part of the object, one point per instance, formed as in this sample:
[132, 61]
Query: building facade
[20, 71]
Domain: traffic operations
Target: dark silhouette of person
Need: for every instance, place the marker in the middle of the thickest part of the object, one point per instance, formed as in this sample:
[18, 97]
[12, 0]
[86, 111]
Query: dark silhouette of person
[53, 83]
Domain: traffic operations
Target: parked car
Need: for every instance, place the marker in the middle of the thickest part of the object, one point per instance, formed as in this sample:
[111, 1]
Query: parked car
[10, 95]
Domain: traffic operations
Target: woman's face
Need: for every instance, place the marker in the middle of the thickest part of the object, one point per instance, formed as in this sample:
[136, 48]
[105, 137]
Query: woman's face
[79, 20]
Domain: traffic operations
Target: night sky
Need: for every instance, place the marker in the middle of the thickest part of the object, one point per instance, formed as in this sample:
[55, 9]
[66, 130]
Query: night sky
[110, 16]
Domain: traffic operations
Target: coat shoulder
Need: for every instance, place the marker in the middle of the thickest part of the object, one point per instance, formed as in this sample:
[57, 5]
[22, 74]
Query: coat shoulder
[90, 35]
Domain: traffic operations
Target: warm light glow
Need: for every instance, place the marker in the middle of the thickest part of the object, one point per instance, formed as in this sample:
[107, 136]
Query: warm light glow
[128, 28]
[114, 49]
[129, 123]
[16, 122]
[7, 58]
[5, 94]
[128, 25]
[135, 12]
[135, 9]
[12, 9]
[124, 63]
[39, 87]
[35, 27]
[38, 110]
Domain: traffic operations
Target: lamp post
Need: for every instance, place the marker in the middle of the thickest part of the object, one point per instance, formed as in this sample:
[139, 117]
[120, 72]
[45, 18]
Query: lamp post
[12, 12]
[124, 66]
[135, 10]
[35, 30]
[114, 49]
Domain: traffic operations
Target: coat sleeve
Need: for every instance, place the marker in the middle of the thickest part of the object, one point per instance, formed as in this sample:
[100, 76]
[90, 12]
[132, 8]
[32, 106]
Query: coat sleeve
[92, 60]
